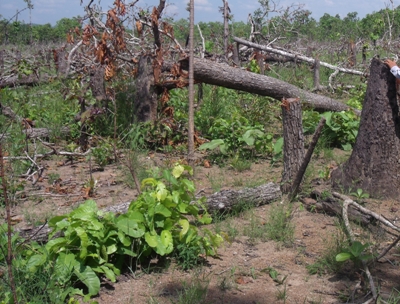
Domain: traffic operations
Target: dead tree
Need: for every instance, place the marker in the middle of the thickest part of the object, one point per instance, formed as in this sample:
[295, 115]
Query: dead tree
[374, 163]
[146, 94]
[293, 141]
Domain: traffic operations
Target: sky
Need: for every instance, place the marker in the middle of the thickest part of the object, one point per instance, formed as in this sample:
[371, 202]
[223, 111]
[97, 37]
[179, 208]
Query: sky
[50, 11]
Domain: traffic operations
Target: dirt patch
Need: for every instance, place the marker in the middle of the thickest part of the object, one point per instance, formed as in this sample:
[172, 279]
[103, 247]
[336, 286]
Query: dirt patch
[241, 273]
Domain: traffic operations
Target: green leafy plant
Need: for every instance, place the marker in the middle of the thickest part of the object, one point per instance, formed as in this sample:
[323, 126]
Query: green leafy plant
[360, 194]
[103, 154]
[162, 211]
[355, 253]
[38, 279]
[238, 137]
[93, 243]
[275, 276]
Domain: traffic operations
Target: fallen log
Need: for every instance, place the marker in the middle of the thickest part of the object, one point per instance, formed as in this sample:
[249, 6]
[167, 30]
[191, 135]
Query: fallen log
[29, 80]
[41, 133]
[223, 201]
[320, 202]
[296, 57]
[223, 75]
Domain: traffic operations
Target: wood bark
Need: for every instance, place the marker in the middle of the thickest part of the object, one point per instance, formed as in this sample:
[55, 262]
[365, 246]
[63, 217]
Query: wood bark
[374, 163]
[305, 161]
[319, 202]
[145, 100]
[30, 80]
[223, 201]
[317, 85]
[296, 57]
[235, 78]
[293, 141]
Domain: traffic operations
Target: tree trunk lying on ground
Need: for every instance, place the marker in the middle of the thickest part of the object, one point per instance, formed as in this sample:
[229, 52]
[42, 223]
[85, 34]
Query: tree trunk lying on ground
[223, 201]
[235, 78]
[29, 80]
[319, 202]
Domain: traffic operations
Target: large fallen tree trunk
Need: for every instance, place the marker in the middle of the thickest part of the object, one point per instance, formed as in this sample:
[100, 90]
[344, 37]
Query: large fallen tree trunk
[223, 201]
[234, 78]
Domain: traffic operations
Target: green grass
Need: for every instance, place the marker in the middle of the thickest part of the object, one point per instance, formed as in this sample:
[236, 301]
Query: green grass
[195, 291]
[327, 263]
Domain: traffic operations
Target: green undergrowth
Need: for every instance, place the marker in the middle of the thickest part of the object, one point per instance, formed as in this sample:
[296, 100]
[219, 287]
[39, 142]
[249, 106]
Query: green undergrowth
[88, 244]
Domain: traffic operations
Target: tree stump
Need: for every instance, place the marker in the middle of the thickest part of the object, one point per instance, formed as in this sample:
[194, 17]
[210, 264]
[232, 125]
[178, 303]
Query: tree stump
[293, 141]
[374, 164]
[146, 94]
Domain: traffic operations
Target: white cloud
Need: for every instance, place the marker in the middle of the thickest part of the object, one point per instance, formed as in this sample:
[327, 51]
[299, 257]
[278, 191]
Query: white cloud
[329, 2]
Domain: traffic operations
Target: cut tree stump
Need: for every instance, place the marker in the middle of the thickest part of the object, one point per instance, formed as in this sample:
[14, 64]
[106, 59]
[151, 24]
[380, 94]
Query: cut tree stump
[374, 164]
[223, 201]
[293, 141]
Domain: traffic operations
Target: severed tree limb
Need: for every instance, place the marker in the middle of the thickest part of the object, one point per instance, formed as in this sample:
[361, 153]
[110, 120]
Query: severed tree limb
[360, 208]
[346, 203]
[306, 160]
[297, 56]
[223, 201]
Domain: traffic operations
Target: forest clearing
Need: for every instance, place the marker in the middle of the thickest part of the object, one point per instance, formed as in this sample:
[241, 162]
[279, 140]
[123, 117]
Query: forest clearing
[148, 160]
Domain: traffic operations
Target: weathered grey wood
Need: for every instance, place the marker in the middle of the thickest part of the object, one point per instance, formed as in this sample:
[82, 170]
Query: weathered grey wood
[235, 78]
[306, 159]
[41, 132]
[293, 141]
[224, 200]
[332, 206]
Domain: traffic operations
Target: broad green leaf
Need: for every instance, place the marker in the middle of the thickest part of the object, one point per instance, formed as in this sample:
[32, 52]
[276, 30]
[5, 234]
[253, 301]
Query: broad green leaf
[162, 192]
[346, 147]
[166, 239]
[88, 277]
[212, 144]
[111, 249]
[126, 241]
[177, 171]
[151, 240]
[188, 184]
[56, 244]
[54, 220]
[182, 207]
[344, 256]
[169, 177]
[223, 148]
[130, 227]
[161, 209]
[127, 251]
[135, 215]
[278, 146]
[84, 241]
[205, 218]
[109, 273]
[85, 211]
[357, 248]
[328, 117]
[184, 223]
[35, 261]
[149, 181]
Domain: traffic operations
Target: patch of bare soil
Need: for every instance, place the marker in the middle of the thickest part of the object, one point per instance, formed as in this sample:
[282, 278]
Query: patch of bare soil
[241, 273]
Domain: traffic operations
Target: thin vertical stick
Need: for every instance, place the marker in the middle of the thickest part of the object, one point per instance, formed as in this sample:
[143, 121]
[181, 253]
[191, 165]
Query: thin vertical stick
[9, 235]
[191, 88]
